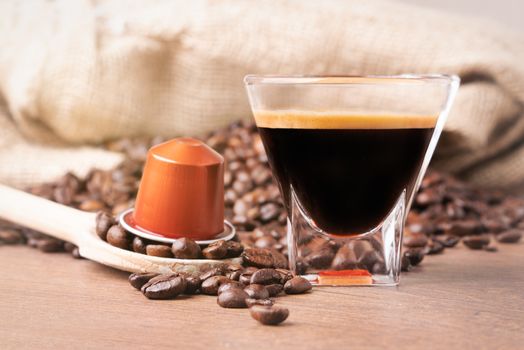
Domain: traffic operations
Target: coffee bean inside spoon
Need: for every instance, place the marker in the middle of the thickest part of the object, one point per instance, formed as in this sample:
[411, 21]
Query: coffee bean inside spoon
[181, 195]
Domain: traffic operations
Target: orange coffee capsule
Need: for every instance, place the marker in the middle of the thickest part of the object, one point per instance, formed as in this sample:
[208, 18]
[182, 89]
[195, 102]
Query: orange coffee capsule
[182, 191]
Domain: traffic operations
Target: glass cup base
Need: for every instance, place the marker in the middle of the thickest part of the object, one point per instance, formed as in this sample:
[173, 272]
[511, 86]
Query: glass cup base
[367, 259]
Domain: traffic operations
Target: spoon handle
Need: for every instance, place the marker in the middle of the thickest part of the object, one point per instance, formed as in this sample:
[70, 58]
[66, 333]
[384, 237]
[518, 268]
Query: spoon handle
[44, 215]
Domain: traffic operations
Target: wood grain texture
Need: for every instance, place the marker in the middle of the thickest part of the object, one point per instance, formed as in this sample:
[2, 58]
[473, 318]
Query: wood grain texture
[465, 300]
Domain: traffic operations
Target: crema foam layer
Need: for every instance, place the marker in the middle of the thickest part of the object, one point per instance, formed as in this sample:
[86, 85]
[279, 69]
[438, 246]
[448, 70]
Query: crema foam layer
[295, 119]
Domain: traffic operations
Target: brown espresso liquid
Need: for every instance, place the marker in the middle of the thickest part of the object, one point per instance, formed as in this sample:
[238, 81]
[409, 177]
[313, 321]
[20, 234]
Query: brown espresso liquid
[347, 171]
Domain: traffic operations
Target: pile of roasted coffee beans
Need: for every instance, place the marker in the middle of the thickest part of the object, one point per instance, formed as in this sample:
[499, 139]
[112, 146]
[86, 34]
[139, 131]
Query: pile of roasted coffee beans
[235, 286]
[445, 212]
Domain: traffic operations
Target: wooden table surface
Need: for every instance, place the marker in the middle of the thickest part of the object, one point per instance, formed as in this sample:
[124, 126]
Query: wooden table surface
[463, 300]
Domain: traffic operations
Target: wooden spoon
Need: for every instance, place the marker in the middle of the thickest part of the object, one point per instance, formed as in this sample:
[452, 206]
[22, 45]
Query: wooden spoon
[78, 227]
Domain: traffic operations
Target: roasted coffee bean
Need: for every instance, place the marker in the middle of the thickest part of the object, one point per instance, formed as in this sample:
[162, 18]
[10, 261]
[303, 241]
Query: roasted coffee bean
[447, 240]
[234, 275]
[91, 205]
[434, 247]
[232, 298]
[118, 237]
[186, 248]
[266, 276]
[137, 280]
[104, 221]
[245, 278]
[76, 253]
[274, 289]
[230, 285]
[476, 242]
[50, 245]
[192, 284]
[159, 250]
[10, 236]
[211, 285]
[368, 259]
[261, 302]
[297, 285]
[321, 259]
[490, 248]
[164, 286]
[464, 228]
[345, 258]
[139, 245]
[234, 249]
[511, 236]
[379, 268]
[216, 250]
[269, 315]
[285, 275]
[63, 195]
[405, 264]
[269, 212]
[265, 242]
[415, 255]
[279, 260]
[262, 258]
[415, 240]
[69, 247]
[215, 271]
[257, 291]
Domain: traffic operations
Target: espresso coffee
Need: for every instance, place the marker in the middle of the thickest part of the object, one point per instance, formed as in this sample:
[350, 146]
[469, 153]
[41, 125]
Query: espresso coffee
[347, 171]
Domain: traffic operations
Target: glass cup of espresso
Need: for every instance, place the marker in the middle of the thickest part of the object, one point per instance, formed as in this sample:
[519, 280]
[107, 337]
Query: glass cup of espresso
[348, 153]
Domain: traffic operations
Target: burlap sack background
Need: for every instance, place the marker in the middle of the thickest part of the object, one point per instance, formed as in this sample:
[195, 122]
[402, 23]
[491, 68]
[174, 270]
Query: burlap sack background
[82, 72]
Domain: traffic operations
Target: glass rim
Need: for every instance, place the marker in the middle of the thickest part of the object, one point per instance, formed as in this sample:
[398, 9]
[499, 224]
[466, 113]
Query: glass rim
[256, 79]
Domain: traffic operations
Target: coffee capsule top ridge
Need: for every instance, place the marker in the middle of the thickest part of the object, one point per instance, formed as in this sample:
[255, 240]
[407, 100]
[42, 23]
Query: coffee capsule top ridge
[187, 151]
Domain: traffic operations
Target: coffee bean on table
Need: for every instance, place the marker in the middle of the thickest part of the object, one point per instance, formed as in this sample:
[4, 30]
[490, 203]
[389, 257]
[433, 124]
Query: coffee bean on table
[234, 249]
[76, 253]
[137, 280]
[297, 285]
[263, 302]
[229, 285]
[464, 228]
[216, 250]
[159, 250]
[139, 245]
[434, 247]
[257, 291]
[447, 241]
[215, 271]
[415, 255]
[476, 242]
[274, 289]
[192, 284]
[285, 275]
[234, 275]
[10, 236]
[69, 247]
[232, 298]
[265, 242]
[118, 237]
[405, 264]
[262, 258]
[490, 248]
[211, 285]
[265, 276]
[164, 286]
[511, 236]
[417, 240]
[186, 248]
[269, 315]
[50, 245]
